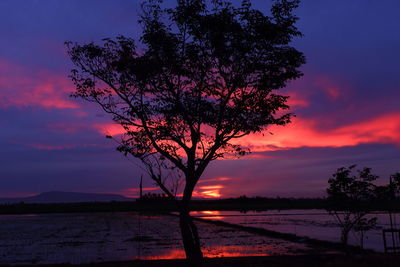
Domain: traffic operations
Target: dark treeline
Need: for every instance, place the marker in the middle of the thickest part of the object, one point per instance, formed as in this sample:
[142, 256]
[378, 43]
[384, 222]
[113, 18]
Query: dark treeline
[164, 205]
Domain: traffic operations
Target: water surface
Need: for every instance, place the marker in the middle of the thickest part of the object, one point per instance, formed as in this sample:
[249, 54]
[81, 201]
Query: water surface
[95, 237]
[317, 224]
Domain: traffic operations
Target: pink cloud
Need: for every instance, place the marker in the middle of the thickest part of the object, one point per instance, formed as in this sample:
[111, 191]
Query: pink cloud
[258, 156]
[218, 179]
[315, 83]
[304, 133]
[78, 127]
[308, 132]
[297, 100]
[332, 87]
[27, 87]
[111, 129]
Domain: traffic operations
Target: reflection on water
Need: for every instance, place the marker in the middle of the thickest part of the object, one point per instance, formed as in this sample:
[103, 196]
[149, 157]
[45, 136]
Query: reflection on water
[166, 255]
[210, 214]
[95, 237]
[210, 252]
[316, 224]
[237, 251]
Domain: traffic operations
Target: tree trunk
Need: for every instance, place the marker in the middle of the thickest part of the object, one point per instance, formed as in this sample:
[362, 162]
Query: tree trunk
[362, 239]
[344, 237]
[190, 238]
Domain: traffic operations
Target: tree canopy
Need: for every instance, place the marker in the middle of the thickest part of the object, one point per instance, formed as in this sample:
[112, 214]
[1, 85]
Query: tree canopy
[351, 197]
[203, 74]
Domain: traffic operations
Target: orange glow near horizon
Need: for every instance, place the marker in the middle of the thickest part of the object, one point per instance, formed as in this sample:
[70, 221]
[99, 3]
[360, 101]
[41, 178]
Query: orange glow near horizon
[211, 214]
[211, 252]
[144, 189]
[209, 191]
[134, 192]
[201, 191]
[206, 188]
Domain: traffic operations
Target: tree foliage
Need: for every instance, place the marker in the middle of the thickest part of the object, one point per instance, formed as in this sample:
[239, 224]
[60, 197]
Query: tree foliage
[385, 193]
[202, 75]
[350, 197]
[349, 191]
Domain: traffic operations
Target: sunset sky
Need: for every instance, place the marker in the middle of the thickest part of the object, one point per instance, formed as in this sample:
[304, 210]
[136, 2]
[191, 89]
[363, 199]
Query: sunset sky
[347, 104]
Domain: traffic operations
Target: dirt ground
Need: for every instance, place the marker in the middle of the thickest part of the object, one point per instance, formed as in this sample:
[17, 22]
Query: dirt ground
[271, 261]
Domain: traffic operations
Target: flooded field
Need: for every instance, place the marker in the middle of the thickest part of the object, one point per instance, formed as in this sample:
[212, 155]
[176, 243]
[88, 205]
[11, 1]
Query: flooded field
[316, 224]
[93, 237]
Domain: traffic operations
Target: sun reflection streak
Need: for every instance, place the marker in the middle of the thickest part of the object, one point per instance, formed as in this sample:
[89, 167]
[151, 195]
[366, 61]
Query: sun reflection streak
[210, 214]
[210, 252]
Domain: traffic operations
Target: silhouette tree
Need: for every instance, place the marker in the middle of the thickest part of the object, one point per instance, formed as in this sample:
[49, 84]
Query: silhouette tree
[389, 192]
[350, 197]
[204, 74]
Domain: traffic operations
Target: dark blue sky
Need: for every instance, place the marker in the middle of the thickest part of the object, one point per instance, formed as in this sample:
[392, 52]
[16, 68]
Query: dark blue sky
[347, 104]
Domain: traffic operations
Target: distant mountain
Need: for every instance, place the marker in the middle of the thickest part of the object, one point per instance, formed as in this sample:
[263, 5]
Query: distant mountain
[66, 197]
